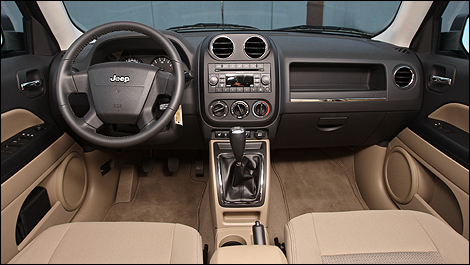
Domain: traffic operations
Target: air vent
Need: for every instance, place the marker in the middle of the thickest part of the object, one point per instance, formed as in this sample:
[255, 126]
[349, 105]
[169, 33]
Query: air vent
[255, 47]
[402, 50]
[404, 77]
[222, 47]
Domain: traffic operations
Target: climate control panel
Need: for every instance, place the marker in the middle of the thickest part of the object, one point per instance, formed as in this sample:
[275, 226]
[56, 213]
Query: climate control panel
[239, 109]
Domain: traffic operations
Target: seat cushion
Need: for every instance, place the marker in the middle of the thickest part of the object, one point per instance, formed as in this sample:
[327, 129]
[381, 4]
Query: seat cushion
[389, 236]
[114, 242]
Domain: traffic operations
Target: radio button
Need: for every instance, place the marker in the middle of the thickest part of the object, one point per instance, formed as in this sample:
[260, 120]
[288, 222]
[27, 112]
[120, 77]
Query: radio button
[218, 66]
[225, 66]
[252, 66]
[232, 66]
[213, 80]
[226, 89]
[260, 66]
[233, 89]
[239, 89]
[246, 66]
[218, 90]
[247, 89]
[239, 66]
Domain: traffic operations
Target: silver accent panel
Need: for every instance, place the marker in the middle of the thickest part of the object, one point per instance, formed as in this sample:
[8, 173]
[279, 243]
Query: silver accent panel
[335, 99]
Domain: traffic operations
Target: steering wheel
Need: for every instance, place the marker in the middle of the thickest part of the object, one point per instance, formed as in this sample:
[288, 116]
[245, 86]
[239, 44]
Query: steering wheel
[119, 92]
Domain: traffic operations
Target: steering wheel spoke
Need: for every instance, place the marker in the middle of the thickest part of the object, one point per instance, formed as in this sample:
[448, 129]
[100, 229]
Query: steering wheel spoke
[80, 80]
[91, 119]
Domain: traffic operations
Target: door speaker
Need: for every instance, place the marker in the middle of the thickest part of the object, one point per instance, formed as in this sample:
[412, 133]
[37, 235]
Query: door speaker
[401, 175]
[72, 181]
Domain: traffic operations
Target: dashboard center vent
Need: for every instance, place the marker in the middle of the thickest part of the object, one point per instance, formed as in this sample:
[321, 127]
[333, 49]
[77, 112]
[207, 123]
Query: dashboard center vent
[222, 47]
[404, 77]
[255, 47]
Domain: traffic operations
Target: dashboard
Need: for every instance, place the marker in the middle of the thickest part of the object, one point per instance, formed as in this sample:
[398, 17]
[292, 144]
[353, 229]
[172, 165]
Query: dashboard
[296, 89]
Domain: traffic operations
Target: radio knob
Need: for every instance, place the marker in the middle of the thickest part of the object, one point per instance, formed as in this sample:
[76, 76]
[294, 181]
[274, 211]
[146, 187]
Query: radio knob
[265, 80]
[213, 80]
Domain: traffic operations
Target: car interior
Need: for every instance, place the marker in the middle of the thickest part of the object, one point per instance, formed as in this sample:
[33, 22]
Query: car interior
[130, 142]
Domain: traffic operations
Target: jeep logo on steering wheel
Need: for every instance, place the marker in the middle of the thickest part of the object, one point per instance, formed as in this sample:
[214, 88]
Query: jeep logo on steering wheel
[116, 78]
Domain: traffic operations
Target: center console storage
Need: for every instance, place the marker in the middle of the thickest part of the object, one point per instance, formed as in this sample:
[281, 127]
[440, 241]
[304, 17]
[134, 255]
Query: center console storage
[256, 254]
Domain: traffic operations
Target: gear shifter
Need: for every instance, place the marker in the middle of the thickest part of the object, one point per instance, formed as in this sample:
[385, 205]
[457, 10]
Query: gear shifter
[237, 142]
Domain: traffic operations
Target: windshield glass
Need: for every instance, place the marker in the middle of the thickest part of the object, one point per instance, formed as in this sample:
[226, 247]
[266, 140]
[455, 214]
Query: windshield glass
[342, 17]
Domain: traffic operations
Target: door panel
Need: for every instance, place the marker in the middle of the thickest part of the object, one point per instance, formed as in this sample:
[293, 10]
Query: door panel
[432, 170]
[34, 156]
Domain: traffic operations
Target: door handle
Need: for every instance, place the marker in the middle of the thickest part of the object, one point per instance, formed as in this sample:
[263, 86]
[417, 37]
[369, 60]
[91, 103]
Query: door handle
[441, 80]
[31, 84]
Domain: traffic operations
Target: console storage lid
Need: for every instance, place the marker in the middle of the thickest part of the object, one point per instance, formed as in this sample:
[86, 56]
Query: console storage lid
[249, 254]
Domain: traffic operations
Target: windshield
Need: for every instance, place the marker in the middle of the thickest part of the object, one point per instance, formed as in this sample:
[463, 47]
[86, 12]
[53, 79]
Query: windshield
[370, 17]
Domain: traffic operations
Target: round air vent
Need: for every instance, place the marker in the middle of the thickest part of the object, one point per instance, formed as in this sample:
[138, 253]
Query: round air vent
[222, 47]
[255, 47]
[404, 76]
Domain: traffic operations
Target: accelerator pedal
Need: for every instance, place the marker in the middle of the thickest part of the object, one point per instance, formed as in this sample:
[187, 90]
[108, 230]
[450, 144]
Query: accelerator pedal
[199, 168]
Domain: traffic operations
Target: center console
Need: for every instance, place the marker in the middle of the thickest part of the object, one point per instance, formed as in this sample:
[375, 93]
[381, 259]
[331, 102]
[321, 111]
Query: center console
[239, 107]
[240, 199]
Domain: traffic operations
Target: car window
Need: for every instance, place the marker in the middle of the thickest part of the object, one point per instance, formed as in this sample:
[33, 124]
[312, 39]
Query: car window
[12, 28]
[452, 23]
[370, 17]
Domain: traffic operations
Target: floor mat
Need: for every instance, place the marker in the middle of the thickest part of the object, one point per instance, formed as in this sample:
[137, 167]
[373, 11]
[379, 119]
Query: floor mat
[311, 180]
[162, 197]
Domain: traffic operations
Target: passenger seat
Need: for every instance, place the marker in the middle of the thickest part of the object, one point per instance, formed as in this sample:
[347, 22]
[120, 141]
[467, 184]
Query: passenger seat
[375, 236]
[114, 242]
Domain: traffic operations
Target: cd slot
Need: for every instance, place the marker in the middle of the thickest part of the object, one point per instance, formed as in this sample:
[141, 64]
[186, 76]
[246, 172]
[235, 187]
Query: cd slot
[236, 70]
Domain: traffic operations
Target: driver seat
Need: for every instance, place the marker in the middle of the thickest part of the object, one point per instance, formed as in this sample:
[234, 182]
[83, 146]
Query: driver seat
[114, 242]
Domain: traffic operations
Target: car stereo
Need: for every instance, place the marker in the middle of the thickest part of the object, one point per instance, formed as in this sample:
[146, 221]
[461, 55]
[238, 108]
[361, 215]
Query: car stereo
[239, 78]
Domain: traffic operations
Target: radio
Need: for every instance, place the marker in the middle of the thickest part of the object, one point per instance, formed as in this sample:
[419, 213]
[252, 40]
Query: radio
[239, 78]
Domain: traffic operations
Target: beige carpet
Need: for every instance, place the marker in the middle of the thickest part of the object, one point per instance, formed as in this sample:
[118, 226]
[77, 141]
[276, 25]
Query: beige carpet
[161, 197]
[311, 180]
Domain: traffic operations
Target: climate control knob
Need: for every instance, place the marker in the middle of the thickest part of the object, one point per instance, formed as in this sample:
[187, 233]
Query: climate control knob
[239, 109]
[261, 109]
[218, 109]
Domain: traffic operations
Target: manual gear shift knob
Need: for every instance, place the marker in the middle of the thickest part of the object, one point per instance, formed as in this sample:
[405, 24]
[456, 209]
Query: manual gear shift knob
[237, 142]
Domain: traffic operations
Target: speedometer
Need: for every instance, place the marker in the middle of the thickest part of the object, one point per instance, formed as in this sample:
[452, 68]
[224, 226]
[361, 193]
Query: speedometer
[163, 63]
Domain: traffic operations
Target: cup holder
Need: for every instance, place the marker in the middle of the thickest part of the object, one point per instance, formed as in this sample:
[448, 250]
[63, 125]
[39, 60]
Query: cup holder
[232, 240]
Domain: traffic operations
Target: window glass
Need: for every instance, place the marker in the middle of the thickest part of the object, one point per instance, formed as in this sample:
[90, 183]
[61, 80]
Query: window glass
[12, 28]
[452, 22]
[370, 17]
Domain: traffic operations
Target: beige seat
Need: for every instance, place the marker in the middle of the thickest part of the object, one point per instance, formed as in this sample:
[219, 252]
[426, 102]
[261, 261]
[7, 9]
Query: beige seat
[394, 236]
[114, 242]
